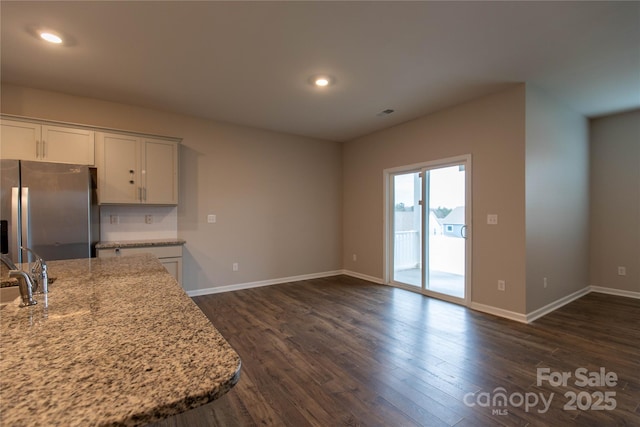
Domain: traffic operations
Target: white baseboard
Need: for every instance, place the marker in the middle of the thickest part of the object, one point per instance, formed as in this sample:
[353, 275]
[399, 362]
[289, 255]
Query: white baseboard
[249, 285]
[512, 315]
[618, 292]
[376, 280]
[543, 311]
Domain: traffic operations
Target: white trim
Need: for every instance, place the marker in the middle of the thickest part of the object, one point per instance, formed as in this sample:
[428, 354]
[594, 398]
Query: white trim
[430, 164]
[618, 292]
[249, 285]
[512, 315]
[507, 314]
[372, 279]
[543, 311]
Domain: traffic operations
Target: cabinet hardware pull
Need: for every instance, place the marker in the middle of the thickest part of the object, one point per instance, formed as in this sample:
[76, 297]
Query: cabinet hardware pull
[37, 149]
[44, 149]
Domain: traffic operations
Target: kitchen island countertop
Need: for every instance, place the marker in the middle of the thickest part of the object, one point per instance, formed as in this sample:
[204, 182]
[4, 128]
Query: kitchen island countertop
[115, 342]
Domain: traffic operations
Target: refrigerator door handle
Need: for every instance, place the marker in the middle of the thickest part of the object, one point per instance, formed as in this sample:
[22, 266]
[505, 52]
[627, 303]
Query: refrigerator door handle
[25, 214]
[16, 229]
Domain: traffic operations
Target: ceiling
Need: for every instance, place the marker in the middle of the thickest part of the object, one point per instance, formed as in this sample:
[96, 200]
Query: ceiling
[249, 63]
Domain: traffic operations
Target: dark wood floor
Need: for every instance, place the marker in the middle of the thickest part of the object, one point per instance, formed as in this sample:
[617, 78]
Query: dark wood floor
[344, 352]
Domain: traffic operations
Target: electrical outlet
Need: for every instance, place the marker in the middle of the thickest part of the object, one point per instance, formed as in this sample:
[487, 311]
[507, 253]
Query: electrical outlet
[211, 219]
[501, 285]
[235, 266]
[492, 219]
[148, 219]
[622, 271]
[114, 219]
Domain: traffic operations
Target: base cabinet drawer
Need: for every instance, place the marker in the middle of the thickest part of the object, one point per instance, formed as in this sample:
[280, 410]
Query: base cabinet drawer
[169, 256]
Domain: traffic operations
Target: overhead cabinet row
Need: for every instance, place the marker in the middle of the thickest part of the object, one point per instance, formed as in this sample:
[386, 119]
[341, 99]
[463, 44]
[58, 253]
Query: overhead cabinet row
[132, 168]
[46, 143]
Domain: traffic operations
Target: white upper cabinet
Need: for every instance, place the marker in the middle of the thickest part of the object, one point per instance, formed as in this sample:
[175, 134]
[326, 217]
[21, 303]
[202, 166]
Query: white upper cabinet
[21, 140]
[136, 170]
[67, 145]
[118, 162]
[160, 160]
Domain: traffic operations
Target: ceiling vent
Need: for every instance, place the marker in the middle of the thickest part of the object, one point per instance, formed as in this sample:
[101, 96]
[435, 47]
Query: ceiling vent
[385, 112]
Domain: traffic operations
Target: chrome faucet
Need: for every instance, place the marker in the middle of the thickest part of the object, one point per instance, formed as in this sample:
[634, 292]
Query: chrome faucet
[24, 281]
[39, 275]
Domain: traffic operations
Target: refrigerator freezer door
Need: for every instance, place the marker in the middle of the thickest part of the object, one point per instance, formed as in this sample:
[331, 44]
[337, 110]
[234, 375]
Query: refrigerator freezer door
[9, 179]
[58, 209]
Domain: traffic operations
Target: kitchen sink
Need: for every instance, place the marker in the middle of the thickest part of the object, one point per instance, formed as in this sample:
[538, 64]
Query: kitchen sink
[9, 294]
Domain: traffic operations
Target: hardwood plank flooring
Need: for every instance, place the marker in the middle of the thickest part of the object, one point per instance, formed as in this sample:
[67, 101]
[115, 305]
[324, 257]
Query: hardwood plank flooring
[344, 352]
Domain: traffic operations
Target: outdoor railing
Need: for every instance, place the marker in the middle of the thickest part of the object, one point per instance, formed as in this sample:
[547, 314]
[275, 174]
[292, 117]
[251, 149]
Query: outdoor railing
[407, 249]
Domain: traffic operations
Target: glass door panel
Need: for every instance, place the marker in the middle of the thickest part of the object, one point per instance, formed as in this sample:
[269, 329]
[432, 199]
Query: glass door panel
[446, 228]
[407, 229]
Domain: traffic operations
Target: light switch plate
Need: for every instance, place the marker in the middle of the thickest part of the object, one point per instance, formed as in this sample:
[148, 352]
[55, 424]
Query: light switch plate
[492, 219]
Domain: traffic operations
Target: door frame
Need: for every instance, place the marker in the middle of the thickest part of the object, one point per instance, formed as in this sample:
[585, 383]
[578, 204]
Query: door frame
[388, 225]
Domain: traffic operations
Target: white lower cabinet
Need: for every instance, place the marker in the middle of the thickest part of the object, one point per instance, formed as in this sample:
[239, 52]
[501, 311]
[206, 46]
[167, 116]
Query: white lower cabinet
[169, 256]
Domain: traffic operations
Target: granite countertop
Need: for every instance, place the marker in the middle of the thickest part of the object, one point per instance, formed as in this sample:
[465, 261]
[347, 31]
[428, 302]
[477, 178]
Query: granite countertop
[139, 243]
[116, 341]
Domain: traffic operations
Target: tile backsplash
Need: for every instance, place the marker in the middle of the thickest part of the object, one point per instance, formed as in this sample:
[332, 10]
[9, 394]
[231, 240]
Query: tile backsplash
[138, 222]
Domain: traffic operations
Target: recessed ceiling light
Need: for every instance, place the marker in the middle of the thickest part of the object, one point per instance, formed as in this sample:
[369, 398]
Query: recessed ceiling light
[50, 37]
[321, 80]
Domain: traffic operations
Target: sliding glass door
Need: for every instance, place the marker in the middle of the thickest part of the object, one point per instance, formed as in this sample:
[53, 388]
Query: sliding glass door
[428, 227]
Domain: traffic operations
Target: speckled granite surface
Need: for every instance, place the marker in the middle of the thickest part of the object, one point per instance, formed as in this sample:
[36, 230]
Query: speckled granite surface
[139, 243]
[116, 342]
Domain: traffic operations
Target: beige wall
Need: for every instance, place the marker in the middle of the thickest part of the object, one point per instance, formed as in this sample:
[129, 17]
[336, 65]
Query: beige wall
[615, 201]
[557, 200]
[277, 197]
[492, 130]
[289, 205]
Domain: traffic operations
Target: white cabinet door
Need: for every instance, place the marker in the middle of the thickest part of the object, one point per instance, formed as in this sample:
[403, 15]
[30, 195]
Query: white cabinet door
[45, 143]
[160, 172]
[118, 163]
[67, 145]
[19, 140]
[134, 170]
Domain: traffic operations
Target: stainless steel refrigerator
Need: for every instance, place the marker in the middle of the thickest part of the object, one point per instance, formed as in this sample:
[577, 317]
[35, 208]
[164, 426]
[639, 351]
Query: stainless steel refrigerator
[50, 208]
